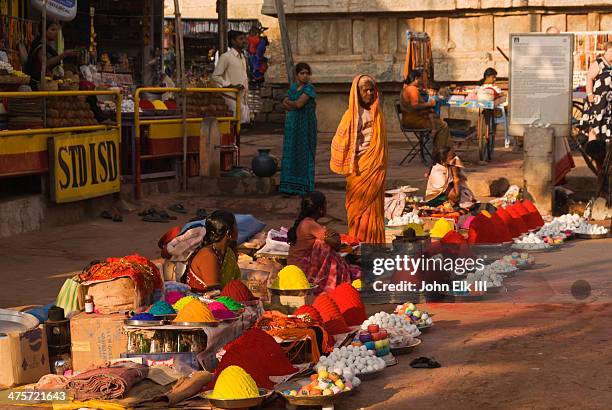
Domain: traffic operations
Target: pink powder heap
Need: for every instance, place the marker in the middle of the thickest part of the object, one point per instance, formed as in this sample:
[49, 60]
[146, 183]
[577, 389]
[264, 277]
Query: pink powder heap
[173, 296]
[220, 311]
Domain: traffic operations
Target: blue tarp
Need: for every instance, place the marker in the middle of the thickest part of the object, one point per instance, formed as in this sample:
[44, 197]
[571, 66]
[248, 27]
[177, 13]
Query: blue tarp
[248, 226]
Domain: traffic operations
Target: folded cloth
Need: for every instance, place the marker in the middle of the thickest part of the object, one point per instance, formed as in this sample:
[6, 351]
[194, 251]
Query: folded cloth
[108, 382]
[181, 247]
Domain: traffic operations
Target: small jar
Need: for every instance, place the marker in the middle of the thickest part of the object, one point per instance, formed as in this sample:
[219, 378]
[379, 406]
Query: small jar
[89, 304]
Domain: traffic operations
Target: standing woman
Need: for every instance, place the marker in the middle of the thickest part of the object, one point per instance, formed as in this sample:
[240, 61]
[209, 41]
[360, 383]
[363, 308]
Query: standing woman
[359, 152]
[598, 112]
[300, 143]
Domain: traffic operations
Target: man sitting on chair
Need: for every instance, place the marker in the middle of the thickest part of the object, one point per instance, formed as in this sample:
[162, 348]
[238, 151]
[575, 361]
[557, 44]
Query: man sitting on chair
[417, 113]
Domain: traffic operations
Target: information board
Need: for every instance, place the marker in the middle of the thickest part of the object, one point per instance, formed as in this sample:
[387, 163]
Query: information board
[84, 165]
[541, 80]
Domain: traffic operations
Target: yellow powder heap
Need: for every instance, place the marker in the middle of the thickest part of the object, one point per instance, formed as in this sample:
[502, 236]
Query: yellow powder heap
[485, 213]
[182, 302]
[290, 278]
[159, 105]
[357, 284]
[195, 312]
[234, 383]
[441, 228]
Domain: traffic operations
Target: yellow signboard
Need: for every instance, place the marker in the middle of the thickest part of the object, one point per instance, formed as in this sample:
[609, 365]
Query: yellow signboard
[84, 165]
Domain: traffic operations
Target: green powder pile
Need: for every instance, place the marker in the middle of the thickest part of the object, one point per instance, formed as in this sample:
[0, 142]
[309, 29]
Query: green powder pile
[230, 303]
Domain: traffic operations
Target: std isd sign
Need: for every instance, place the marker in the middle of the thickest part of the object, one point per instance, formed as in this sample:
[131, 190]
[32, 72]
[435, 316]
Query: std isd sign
[84, 165]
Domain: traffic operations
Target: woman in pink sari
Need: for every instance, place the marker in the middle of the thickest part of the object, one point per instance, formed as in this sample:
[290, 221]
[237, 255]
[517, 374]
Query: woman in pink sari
[314, 248]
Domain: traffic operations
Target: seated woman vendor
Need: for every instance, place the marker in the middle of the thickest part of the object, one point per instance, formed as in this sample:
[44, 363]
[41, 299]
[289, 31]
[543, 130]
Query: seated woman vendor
[447, 182]
[214, 264]
[314, 248]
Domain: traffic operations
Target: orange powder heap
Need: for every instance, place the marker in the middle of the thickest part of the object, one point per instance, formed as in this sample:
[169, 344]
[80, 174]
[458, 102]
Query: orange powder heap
[195, 312]
[333, 321]
[349, 302]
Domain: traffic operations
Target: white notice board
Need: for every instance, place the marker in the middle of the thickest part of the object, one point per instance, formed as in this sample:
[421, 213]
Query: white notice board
[541, 80]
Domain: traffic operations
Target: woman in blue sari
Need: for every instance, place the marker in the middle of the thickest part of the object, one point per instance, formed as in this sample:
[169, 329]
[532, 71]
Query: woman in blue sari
[300, 144]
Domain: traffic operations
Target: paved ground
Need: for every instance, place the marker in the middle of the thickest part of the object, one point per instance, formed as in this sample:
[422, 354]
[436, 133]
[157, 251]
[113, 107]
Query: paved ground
[533, 347]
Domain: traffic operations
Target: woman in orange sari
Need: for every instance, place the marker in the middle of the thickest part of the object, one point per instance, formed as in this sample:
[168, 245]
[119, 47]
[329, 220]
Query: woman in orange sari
[359, 151]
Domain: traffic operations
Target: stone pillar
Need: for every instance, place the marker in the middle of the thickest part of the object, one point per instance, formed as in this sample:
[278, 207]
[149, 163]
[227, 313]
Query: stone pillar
[538, 168]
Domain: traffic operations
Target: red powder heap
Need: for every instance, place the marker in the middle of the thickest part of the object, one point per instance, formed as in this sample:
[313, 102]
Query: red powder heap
[259, 355]
[238, 291]
[526, 216]
[508, 221]
[482, 231]
[455, 245]
[349, 302]
[535, 219]
[333, 321]
[534, 211]
[500, 226]
[517, 219]
[310, 311]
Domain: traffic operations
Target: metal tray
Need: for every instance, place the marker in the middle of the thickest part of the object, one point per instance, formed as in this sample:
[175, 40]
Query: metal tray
[264, 394]
[195, 324]
[369, 375]
[296, 384]
[229, 320]
[591, 236]
[144, 323]
[406, 349]
[14, 321]
[425, 327]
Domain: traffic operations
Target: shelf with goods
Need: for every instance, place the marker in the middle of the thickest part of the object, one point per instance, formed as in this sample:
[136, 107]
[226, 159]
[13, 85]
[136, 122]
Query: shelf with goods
[588, 45]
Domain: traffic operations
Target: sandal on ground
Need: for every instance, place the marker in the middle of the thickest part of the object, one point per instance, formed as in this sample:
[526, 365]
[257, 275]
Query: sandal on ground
[166, 215]
[106, 215]
[424, 363]
[178, 208]
[155, 218]
[117, 217]
[150, 211]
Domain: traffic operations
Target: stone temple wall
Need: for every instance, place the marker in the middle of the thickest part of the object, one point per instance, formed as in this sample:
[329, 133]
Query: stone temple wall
[340, 38]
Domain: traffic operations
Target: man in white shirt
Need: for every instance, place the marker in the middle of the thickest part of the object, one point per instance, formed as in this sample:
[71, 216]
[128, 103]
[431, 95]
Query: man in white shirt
[231, 72]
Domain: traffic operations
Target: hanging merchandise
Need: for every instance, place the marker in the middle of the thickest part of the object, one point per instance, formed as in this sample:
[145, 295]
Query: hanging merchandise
[418, 55]
[63, 10]
[588, 46]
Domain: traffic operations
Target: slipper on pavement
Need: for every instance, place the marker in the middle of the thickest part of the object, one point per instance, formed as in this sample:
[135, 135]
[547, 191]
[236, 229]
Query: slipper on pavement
[155, 218]
[178, 208]
[424, 363]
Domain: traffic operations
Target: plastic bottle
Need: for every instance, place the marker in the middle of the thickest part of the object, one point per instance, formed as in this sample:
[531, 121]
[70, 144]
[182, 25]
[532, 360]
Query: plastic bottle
[89, 304]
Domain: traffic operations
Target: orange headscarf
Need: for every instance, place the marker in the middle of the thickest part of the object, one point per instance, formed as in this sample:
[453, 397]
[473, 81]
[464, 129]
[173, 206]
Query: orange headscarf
[365, 173]
[344, 143]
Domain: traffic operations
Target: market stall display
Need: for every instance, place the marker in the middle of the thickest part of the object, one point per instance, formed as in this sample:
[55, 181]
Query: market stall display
[195, 311]
[333, 321]
[375, 340]
[418, 317]
[323, 383]
[351, 361]
[531, 242]
[206, 105]
[238, 291]
[68, 112]
[349, 303]
[234, 383]
[230, 303]
[395, 325]
[291, 277]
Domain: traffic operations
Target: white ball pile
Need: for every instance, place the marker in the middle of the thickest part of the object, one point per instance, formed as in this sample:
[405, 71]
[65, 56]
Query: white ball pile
[589, 229]
[392, 323]
[553, 228]
[127, 106]
[498, 267]
[351, 361]
[407, 218]
[531, 241]
[568, 222]
[493, 280]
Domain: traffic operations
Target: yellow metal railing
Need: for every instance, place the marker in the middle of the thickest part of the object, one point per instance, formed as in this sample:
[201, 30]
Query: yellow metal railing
[138, 122]
[61, 130]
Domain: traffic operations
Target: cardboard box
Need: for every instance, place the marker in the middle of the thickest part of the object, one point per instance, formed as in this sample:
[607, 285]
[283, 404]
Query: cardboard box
[96, 339]
[24, 357]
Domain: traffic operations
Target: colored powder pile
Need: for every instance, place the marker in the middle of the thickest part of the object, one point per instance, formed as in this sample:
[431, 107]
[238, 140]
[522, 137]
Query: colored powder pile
[441, 228]
[454, 244]
[235, 383]
[161, 308]
[517, 220]
[195, 312]
[291, 277]
[173, 296]
[502, 230]
[508, 221]
[482, 231]
[533, 211]
[269, 360]
[350, 304]
[526, 216]
[230, 303]
[237, 290]
[219, 311]
[357, 284]
[182, 302]
[310, 311]
[333, 321]
[143, 316]
[467, 222]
